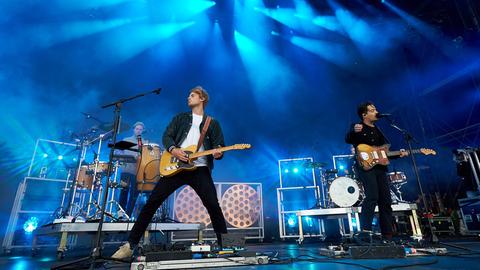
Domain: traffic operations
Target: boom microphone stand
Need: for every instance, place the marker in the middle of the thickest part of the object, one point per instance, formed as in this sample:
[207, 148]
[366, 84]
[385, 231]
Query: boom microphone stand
[96, 254]
[408, 139]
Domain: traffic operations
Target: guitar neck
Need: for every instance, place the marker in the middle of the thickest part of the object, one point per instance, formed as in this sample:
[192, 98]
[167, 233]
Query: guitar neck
[209, 152]
[397, 153]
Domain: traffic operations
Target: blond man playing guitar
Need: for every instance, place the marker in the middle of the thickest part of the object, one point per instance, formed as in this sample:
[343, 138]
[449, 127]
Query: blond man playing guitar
[192, 128]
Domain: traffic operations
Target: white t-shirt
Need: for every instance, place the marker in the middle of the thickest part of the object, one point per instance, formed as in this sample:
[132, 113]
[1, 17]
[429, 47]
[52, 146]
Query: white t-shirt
[192, 139]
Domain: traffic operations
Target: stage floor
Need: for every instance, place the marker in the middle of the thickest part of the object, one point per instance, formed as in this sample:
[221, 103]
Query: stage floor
[292, 256]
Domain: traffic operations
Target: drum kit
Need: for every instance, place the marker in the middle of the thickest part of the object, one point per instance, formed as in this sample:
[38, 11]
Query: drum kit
[347, 190]
[85, 192]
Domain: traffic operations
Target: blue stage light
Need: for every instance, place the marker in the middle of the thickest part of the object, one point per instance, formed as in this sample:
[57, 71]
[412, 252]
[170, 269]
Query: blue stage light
[291, 222]
[295, 170]
[45, 155]
[60, 157]
[30, 225]
[286, 171]
[354, 223]
[341, 167]
[309, 221]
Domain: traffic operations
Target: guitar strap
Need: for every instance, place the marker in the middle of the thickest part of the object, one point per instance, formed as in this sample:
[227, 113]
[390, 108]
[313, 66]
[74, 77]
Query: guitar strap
[204, 131]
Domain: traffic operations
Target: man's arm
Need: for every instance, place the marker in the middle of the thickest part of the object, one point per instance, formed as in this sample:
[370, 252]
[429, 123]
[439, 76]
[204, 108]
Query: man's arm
[168, 138]
[352, 136]
[217, 138]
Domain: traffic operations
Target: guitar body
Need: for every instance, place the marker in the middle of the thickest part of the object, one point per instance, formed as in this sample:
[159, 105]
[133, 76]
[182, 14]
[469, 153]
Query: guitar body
[170, 165]
[370, 156]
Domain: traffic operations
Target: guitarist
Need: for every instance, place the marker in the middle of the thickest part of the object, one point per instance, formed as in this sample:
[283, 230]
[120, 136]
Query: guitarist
[185, 130]
[375, 181]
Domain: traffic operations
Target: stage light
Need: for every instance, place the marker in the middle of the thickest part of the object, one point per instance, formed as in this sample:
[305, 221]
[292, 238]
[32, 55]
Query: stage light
[291, 222]
[354, 223]
[45, 155]
[286, 171]
[60, 157]
[309, 221]
[274, 33]
[30, 225]
[295, 170]
[341, 167]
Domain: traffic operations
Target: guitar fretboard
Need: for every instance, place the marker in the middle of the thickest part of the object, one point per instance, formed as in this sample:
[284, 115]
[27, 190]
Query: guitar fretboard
[397, 153]
[209, 152]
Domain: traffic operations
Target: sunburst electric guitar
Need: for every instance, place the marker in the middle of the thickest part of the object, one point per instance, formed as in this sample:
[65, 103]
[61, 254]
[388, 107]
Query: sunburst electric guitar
[369, 156]
[170, 165]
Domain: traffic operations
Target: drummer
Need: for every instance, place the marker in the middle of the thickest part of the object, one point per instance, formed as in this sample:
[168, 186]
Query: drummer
[129, 193]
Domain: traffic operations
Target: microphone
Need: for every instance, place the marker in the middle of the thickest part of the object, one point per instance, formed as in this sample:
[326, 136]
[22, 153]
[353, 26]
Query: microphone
[382, 115]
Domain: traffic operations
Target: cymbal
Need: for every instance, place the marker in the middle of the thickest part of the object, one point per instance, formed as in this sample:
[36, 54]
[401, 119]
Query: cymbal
[313, 165]
[109, 126]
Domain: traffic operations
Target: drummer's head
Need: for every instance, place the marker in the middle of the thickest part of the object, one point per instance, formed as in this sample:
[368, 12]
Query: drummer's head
[198, 97]
[138, 128]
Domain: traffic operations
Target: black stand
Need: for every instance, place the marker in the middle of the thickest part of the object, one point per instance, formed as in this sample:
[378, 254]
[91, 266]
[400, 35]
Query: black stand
[96, 254]
[408, 139]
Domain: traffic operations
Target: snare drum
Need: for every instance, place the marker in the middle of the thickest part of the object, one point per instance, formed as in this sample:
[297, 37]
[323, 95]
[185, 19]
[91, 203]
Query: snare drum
[345, 192]
[397, 177]
[148, 167]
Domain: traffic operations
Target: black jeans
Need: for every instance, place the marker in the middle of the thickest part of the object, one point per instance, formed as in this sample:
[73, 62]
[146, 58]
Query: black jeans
[128, 196]
[200, 180]
[376, 186]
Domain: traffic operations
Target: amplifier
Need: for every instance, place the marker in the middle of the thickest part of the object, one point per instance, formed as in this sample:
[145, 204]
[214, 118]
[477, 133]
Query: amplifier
[470, 208]
[442, 225]
[376, 252]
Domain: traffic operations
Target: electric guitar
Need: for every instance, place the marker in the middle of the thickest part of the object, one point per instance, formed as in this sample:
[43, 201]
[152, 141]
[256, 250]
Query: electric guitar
[170, 165]
[369, 156]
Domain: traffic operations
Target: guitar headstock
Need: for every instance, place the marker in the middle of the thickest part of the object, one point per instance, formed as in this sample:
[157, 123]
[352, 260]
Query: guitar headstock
[427, 151]
[242, 146]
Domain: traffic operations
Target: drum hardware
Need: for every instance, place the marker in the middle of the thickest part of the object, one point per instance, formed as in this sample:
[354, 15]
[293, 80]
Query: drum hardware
[397, 180]
[123, 159]
[320, 189]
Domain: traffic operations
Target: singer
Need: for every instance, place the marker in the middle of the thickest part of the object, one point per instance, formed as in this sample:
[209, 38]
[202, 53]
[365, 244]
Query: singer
[375, 181]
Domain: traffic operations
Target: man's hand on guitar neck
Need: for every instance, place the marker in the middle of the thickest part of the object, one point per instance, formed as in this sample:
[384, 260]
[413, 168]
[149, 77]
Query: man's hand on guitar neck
[403, 153]
[217, 154]
[178, 153]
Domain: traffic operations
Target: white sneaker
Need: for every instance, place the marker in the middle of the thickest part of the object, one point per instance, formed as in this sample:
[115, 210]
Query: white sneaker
[124, 252]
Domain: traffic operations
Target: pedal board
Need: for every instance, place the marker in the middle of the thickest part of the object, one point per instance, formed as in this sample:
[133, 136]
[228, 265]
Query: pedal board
[333, 251]
[376, 252]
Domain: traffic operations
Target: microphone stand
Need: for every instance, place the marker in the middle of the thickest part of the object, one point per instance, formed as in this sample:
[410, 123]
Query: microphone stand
[96, 254]
[408, 139]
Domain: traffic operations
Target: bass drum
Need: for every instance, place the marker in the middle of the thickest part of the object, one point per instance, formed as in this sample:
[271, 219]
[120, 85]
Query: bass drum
[345, 192]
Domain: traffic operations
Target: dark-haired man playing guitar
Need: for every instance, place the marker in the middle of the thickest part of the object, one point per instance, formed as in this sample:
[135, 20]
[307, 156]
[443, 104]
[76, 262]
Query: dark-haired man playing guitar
[375, 181]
